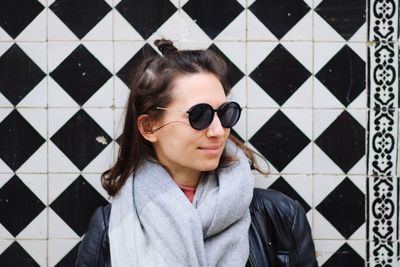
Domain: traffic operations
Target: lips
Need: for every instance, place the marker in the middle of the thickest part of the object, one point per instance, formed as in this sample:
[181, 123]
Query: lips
[210, 147]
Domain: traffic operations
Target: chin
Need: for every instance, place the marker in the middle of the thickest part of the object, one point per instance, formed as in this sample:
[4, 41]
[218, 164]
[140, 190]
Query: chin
[210, 166]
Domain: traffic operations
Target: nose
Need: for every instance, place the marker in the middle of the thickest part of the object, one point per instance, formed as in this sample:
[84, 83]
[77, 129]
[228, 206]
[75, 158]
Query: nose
[215, 129]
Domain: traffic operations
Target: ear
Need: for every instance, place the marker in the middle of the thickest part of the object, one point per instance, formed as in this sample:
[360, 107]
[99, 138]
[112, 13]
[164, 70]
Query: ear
[144, 125]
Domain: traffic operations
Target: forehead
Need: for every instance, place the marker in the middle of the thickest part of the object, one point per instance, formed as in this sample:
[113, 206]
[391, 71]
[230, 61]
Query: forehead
[198, 88]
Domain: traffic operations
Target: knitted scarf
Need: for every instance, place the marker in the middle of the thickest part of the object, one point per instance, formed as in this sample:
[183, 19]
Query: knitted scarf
[153, 224]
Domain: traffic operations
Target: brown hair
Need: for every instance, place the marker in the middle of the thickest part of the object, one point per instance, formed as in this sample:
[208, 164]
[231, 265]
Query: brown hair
[151, 87]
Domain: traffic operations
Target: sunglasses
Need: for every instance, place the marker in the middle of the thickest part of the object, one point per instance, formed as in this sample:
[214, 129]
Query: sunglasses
[201, 115]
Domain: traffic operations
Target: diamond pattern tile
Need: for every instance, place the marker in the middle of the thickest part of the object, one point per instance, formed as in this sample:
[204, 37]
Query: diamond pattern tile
[126, 73]
[18, 74]
[343, 141]
[234, 73]
[279, 140]
[282, 186]
[15, 255]
[345, 201]
[81, 74]
[16, 15]
[213, 16]
[77, 139]
[17, 135]
[344, 75]
[19, 205]
[345, 16]
[280, 74]
[146, 16]
[69, 259]
[345, 256]
[80, 16]
[279, 16]
[77, 203]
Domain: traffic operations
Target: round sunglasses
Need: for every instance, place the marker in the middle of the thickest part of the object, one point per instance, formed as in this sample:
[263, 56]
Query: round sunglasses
[201, 115]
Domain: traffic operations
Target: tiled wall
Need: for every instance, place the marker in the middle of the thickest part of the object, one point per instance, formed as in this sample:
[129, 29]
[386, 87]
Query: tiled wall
[317, 78]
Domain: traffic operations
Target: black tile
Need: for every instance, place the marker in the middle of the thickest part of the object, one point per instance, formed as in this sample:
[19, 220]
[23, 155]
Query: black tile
[213, 16]
[282, 186]
[18, 205]
[343, 141]
[234, 73]
[69, 259]
[77, 139]
[81, 74]
[280, 74]
[345, 16]
[146, 16]
[80, 16]
[18, 140]
[279, 140]
[18, 74]
[279, 16]
[76, 204]
[344, 75]
[343, 257]
[344, 208]
[15, 15]
[127, 72]
[16, 256]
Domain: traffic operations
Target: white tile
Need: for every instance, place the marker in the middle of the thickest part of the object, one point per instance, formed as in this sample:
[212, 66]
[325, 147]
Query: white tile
[235, 31]
[58, 162]
[58, 228]
[102, 161]
[323, 164]
[37, 183]
[56, 29]
[36, 229]
[36, 30]
[240, 127]
[256, 29]
[235, 51]
[323, 118]
[302, 51]
[326, 248]
[37, 118]
[302, 163]
[58, 97]
[324, 185]
[103, 52]
[302, 118]
[37, 97]
[4, 243]
[257, 97]
[37, 249]
[59, 248]
[4, 234]
[239, 92]
[57, 117]
[182, 28]
[95, 181]
[123, 30]
[257, 52]
[302, 31]
[58, 183]
[256, 118]
[103, 29]
[303, 97]
[324, 32]
[4, 102]
[103, 97]
[323, 229]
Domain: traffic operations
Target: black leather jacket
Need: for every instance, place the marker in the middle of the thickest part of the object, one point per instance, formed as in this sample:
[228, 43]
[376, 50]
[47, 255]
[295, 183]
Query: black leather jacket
[279, 234]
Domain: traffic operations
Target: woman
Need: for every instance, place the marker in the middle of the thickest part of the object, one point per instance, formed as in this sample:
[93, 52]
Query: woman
[182, 187]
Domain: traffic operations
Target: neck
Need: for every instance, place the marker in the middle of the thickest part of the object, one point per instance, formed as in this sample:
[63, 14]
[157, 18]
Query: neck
[187, 179]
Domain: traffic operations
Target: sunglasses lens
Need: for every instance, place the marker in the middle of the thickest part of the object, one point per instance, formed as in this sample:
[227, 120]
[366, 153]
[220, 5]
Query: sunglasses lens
[200, 116]
[229, 114]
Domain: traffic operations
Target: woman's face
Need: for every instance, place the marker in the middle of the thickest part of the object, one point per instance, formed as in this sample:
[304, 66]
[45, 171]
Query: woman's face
[179, 147]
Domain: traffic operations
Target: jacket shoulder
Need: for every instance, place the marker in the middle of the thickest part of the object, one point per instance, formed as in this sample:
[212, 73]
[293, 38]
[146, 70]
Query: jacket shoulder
[96, 236]
[274, 201]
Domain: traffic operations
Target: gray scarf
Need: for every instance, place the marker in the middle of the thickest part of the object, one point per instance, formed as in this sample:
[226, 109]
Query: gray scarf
[153, 224]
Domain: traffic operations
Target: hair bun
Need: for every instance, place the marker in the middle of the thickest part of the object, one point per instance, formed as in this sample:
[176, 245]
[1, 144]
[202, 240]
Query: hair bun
[165, 46]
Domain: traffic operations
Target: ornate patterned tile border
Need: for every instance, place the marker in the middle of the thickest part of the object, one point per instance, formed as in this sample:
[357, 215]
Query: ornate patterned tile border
[383, 187]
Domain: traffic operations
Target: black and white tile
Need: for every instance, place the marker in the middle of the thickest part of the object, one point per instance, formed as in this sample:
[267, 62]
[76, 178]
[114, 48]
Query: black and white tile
[320, 103]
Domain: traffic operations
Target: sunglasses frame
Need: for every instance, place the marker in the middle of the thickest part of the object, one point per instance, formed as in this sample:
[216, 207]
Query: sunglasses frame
[213, 112]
